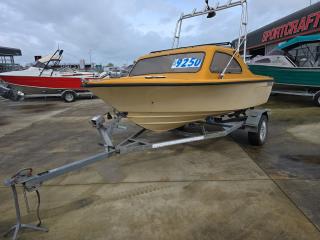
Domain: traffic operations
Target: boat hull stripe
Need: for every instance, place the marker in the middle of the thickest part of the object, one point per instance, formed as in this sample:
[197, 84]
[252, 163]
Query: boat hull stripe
[173, 84]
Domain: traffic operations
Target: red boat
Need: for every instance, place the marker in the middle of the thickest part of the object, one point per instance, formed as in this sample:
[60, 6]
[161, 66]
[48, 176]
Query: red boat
[44, 79]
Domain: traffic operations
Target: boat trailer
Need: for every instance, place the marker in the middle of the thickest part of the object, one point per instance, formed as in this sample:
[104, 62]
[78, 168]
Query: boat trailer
[314, 95]
[9, 93]
[254, 120]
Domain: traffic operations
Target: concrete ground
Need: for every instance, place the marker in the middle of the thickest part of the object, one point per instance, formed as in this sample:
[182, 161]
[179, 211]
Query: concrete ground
[216, 189]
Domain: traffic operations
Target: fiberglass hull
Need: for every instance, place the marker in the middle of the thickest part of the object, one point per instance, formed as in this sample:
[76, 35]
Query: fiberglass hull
[34, 85]
[303, 77]
[166, 107]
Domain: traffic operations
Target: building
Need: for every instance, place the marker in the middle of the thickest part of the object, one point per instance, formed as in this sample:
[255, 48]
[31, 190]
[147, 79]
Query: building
[82, 64]
[300, 23]
[7, 59]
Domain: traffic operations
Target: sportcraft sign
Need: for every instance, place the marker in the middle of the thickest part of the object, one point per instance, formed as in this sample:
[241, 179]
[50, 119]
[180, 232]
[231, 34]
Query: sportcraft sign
[309, 23]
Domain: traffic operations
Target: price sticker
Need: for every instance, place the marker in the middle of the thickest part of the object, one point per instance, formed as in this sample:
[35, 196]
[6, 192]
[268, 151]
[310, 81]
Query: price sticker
[186, 63]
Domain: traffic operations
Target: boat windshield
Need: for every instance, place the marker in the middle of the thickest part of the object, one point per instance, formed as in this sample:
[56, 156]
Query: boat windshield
[175, 63]
[303, 55]
[38, 64]
[277, 51]
[306, 55]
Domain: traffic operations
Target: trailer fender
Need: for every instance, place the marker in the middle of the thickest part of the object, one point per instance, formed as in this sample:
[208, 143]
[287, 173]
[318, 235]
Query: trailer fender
[253, 118]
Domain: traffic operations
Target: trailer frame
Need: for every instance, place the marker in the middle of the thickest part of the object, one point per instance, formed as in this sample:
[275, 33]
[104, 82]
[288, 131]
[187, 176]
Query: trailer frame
[249, 119]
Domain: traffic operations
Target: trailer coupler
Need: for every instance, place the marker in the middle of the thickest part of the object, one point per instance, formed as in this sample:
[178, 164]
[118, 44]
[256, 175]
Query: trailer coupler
[16, 179]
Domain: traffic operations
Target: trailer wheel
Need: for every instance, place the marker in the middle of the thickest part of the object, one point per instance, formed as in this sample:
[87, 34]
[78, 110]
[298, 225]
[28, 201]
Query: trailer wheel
[316, 99]
[69, 96]
[260, 137]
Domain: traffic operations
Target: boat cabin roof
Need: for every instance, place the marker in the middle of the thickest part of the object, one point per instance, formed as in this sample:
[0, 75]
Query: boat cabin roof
[208, 44]
[224, 47]
[299, 41]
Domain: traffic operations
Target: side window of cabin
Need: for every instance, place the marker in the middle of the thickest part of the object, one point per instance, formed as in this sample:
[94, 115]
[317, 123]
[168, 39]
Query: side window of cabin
[221, 60]
[264, 60]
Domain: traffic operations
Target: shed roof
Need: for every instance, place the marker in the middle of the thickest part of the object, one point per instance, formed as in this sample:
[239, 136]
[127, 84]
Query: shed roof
[6, 51]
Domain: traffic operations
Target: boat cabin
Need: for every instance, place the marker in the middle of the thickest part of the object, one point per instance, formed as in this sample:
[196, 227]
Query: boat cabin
[302, 51]
[202, 59]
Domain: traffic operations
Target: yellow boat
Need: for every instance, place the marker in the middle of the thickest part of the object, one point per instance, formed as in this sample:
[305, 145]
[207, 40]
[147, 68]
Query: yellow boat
[171, 88]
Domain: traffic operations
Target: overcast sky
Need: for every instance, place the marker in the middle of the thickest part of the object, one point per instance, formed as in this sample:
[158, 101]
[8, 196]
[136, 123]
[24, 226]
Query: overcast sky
[119, 31]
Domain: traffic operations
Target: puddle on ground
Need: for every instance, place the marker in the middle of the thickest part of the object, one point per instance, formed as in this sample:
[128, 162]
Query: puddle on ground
[296, 166]
[70, 206]
[36, 108]
[308, 159]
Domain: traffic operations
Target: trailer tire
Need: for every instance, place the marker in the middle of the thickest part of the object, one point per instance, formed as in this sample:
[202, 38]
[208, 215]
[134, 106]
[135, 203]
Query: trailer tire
[260, 137]
[69, 96]
[316, 99]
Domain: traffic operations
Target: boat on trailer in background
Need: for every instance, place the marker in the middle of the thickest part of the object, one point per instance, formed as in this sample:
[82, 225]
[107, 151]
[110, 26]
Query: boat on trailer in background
[45, 79]
[294, 65]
